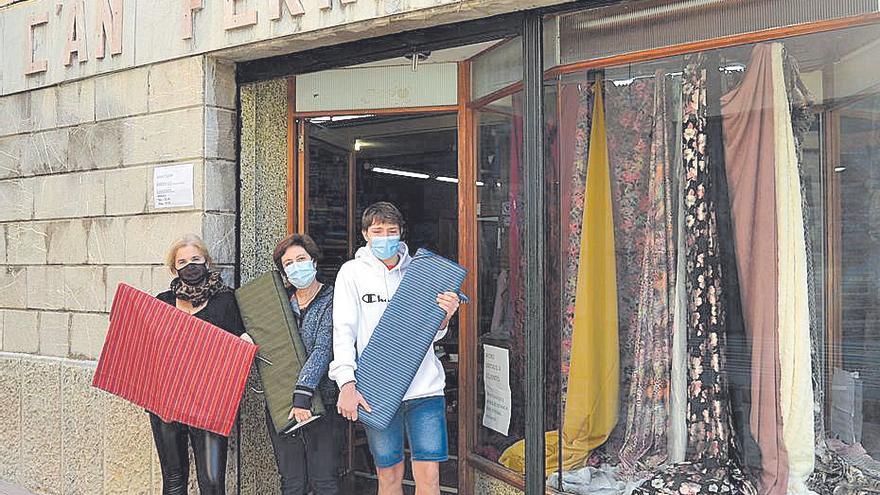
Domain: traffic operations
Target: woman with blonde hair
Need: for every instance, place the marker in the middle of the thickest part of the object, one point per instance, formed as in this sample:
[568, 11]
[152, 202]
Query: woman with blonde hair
[199, 291]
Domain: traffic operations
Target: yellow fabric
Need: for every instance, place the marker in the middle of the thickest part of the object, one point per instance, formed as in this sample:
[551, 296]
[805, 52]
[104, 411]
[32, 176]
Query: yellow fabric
[592, 398]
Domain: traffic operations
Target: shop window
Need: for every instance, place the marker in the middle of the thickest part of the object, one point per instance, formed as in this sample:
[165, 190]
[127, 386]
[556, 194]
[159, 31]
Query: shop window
[718, 265]
[713, 246]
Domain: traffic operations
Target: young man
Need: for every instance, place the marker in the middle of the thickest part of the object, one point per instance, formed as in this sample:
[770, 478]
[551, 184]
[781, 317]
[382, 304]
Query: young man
[364, 286]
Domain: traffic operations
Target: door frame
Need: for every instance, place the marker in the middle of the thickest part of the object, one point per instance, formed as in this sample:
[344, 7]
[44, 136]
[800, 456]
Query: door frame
[298, 204]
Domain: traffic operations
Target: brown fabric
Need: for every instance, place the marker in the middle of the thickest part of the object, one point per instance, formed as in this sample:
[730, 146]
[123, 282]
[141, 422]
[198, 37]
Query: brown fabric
[749, 155]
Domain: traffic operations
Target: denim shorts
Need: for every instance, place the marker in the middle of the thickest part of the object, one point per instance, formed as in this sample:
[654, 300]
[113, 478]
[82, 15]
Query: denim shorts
[424, 421]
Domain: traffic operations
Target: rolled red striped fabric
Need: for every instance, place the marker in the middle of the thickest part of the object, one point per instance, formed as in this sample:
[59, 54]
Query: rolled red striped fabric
[173, 364]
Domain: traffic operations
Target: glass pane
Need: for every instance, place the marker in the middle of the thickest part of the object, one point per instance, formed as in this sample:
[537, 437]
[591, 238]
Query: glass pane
[328, 201]
[497, 68]
[501, 334]
[718, 256]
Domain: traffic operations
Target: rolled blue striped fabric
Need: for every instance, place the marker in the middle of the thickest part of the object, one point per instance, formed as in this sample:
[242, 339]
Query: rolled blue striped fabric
[405, 333]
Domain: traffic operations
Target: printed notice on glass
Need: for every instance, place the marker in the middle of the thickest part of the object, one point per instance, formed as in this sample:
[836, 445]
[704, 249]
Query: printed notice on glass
[496, 381]
[173, 186]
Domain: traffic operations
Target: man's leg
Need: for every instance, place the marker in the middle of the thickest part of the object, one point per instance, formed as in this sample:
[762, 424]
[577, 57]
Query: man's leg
[427, 475]
[425, 421]
[391, 479]
[387, 449]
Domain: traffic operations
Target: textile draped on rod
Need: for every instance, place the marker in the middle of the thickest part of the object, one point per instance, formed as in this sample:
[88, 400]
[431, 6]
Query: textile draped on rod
[173, 364]
[711, 466]
[592, 396]
[794, 318]
[629, 121]
[750, 160]
[575, 227]
[645, 443]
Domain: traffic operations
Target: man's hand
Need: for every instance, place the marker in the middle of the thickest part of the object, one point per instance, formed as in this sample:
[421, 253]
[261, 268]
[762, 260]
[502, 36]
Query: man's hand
[299, 414]
[349, 400]
[448, 302]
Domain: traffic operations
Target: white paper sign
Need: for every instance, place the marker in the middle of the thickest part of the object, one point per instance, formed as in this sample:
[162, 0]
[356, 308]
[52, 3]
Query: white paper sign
[173, 186]
[496, 382]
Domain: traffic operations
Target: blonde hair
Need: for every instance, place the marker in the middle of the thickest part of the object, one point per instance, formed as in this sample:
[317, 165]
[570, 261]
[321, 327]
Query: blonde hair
[186, 240]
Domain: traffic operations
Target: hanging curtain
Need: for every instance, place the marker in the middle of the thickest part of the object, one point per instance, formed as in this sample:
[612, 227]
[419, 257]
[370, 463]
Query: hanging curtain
[645, 443]
[591, 405]
[711, 467]
[749, 145]
[793, 312]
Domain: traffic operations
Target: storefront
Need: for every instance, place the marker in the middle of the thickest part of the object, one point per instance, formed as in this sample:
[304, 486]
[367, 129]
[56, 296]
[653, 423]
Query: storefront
[665, 208]
[666, 214]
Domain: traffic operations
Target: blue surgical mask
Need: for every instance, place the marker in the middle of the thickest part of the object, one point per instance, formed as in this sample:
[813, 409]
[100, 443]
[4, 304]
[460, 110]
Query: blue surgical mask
[385, 247]
[301, 273]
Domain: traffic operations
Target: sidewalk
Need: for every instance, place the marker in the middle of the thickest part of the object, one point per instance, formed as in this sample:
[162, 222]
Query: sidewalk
[7, 489]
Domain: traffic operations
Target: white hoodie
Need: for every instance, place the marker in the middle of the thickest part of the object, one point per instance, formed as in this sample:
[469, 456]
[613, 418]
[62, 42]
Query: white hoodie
[363, 288]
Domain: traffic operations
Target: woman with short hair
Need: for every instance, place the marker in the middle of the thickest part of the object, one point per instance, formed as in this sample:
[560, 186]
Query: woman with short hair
[311, 458]
[199, 291]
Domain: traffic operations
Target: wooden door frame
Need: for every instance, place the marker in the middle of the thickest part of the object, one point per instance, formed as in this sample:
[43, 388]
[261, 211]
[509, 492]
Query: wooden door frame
[467, 231]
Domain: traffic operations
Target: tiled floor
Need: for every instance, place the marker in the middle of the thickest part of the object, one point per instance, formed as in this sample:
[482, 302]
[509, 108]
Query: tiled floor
[7, 489]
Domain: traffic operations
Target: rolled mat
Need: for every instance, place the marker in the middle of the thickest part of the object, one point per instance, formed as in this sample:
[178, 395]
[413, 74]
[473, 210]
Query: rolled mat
[173, 364]
[269, 320]
[403, 336]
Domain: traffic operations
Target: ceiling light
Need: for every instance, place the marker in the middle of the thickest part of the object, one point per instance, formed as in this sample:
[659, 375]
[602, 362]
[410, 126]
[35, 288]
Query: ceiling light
[402, 173]
[448, 179]
[480, 184]
[358, 144]
[839, 169]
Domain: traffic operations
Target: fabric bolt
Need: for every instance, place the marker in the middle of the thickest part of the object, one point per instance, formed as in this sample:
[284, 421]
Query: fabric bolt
[592, 397]
[794, 318]
[630, 124]
[173, 364]
[575, 229]
[404, 335]
[645, 444]
[677, 435]
[602, 480]
[270, 322]
[749, 142]
[711, 467]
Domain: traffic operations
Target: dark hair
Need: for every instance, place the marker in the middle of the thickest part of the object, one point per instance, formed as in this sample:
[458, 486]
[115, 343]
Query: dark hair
[383, 212]
[302, 240]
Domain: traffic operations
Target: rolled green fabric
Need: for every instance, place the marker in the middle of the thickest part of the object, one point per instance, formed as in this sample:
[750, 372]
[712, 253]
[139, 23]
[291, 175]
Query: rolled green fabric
[269, 320]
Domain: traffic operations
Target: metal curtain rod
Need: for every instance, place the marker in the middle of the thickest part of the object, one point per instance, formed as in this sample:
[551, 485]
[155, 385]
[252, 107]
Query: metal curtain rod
[664, 10]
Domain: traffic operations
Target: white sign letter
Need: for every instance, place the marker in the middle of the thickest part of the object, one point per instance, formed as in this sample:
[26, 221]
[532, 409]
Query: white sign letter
[294, 6]
[108, 24]
[76, 34]
[240, 20]
[35, 66]
[189, 6]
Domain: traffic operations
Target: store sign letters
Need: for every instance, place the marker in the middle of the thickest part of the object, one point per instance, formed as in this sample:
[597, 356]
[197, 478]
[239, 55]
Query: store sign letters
[106, 19]
[108, 28]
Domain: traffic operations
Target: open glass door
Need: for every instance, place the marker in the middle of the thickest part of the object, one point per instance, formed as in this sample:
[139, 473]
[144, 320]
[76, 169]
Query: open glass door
[347, 163]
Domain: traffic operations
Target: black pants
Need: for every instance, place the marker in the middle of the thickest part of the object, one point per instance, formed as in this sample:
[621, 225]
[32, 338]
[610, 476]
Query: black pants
[311, 457]
[209, 450]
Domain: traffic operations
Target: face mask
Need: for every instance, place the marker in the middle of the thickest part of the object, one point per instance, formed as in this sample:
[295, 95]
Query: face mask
[193, 273]
[385, 247]
[301, 274]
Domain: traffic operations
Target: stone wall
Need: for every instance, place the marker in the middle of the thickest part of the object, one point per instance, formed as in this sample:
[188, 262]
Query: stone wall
[77, 217]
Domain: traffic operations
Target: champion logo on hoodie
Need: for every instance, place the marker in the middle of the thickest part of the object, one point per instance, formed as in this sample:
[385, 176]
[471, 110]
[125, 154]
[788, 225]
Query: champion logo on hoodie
[373, 298]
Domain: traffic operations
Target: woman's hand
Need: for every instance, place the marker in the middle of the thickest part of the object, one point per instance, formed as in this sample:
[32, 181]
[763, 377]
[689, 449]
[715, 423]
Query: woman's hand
[349, 400]
[448, 302]
[299, 415]
[247, 338]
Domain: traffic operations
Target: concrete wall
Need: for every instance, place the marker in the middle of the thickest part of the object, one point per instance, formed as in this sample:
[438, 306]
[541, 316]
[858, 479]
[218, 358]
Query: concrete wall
[76, 218]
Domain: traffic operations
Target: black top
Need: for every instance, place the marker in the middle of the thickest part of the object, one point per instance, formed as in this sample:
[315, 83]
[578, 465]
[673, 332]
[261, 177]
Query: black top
[221, 311]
